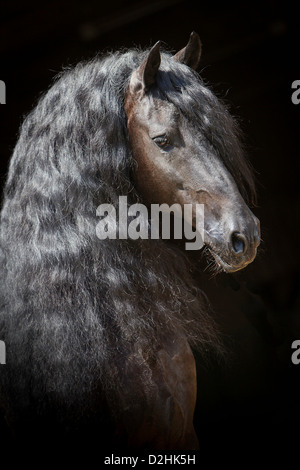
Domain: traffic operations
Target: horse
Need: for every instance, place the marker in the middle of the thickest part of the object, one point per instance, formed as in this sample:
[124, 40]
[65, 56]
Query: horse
[99, 333]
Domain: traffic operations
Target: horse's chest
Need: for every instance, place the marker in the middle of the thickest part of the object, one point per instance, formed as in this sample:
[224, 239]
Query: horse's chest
[159, 412]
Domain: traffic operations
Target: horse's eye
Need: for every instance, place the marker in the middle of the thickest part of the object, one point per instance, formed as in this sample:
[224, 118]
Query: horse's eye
[162, 141]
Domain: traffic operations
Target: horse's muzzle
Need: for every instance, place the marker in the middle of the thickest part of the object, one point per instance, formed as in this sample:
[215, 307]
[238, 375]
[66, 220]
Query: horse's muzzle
[243, 243]
[240, 249]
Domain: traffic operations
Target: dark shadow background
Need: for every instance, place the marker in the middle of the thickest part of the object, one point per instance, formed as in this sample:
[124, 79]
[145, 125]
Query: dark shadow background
[250, 57]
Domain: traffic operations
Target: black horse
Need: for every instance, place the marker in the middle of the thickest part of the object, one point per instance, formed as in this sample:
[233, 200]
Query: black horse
[99, 331]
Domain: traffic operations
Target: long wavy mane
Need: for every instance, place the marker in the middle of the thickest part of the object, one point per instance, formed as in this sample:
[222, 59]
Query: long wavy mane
[74, 308]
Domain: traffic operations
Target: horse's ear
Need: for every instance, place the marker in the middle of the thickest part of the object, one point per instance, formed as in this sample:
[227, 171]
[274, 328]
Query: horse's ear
[191, 53]
[145, 74]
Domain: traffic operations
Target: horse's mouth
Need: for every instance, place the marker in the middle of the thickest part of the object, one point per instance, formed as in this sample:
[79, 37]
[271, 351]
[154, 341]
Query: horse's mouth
[225, 265]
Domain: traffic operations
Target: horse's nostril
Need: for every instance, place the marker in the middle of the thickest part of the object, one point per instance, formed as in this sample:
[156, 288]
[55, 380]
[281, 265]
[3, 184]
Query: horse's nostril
[238, 243]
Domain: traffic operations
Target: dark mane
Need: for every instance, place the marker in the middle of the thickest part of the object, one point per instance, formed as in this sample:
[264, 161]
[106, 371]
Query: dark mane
[71, 305]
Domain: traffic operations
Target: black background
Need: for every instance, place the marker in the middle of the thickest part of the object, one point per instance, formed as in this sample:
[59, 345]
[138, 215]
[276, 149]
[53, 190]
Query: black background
[250, 58]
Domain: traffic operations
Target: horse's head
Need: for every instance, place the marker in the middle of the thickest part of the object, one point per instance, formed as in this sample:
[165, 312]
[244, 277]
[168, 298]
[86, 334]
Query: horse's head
[186, 150]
